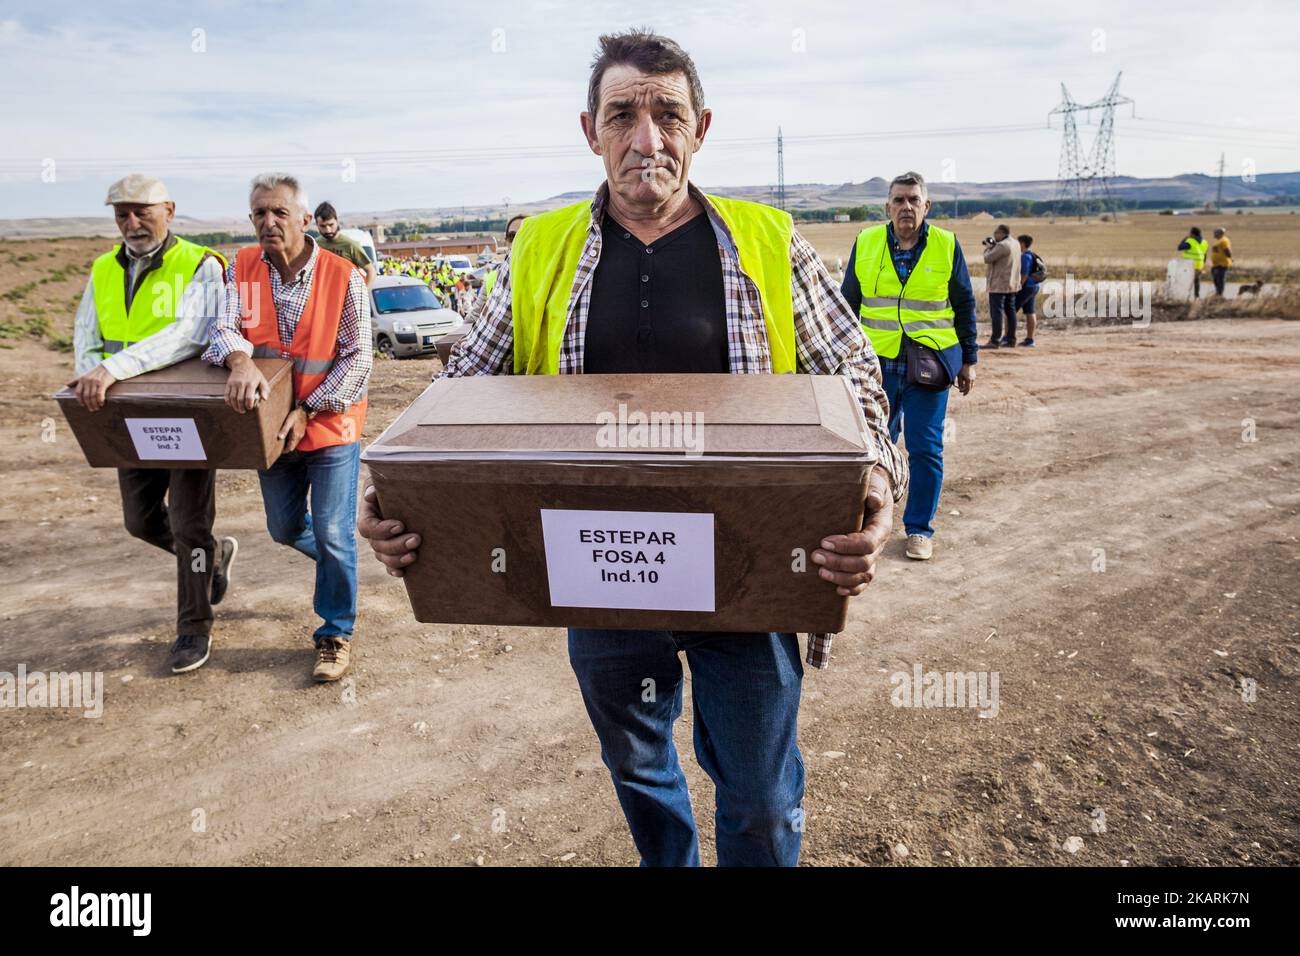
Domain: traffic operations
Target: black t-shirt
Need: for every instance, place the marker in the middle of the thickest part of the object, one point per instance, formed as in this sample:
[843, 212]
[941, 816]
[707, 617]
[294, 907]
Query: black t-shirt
[657, 308]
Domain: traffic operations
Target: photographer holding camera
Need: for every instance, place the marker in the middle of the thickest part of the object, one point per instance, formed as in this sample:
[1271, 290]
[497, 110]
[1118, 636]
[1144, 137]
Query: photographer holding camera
[1002, 256]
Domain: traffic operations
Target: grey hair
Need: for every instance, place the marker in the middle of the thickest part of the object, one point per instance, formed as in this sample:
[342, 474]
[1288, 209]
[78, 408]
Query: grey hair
[647, 52]
[275, 180]
[909, 178]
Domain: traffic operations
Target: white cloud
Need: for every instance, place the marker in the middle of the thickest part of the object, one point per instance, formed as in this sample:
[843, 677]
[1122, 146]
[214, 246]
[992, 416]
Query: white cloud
[400, 86]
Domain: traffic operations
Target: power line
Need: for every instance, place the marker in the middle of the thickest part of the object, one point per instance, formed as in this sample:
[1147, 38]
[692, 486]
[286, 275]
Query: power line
[1220, 126]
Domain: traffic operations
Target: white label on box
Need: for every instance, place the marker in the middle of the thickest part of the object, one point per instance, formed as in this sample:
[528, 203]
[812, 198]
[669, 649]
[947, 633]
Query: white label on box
[166, 439]
[640, 560]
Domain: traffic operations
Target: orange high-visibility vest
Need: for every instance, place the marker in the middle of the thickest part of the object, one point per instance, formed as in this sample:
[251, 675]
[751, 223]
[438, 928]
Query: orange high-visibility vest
[315, 340]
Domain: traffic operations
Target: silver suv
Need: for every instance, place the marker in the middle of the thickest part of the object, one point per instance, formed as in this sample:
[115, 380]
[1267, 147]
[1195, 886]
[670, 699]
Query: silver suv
[408, 318]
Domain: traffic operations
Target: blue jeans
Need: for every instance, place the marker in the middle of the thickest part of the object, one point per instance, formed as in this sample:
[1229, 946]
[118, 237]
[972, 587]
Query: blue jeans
[919, 414]
[1003, 303]
[327, 534]
[745, 692]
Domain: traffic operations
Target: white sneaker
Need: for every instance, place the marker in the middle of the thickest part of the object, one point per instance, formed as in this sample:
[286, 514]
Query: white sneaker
[919, 547]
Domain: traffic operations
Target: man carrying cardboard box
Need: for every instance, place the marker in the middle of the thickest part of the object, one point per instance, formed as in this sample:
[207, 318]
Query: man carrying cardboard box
[150, 303]
[652, 275]
[288, 298]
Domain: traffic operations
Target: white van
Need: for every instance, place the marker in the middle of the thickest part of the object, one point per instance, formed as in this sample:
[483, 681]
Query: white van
[363, 238]
[458, 263]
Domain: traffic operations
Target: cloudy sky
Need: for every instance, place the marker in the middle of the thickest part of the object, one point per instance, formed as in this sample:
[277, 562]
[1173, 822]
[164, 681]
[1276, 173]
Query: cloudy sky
[395, 105]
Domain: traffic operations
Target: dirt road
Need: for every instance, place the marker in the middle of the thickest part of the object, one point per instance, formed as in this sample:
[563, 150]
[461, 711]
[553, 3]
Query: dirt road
[1111, 544]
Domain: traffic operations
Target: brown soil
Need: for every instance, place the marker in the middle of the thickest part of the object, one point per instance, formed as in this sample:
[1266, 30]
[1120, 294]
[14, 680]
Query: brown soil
[1120, 690]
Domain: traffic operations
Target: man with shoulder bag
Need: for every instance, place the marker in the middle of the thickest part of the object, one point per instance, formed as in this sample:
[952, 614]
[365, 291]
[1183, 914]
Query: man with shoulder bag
[908, 282]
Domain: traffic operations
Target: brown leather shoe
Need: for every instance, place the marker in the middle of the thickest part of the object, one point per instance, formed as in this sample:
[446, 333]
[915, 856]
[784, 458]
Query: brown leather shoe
[333, 656]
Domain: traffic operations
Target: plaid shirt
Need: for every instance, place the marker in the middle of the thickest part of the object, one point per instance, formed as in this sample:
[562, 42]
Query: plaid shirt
[895, 366]
[349, 376]
[829, 340]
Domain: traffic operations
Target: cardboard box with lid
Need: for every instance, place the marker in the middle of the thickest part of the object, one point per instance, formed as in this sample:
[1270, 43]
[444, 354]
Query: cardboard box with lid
[177, 417]
[446, 343]
[551, 501]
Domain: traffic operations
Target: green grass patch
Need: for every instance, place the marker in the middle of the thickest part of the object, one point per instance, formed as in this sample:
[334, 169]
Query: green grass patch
[18, 292]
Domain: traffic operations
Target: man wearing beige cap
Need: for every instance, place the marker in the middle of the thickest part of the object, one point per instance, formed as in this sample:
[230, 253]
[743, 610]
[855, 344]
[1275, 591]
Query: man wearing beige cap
[150, 303]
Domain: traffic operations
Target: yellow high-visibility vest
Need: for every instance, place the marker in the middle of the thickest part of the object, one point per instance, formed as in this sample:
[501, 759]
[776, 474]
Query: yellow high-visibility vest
[544, 263]
[1196, 251]
[919, 306]
[154, 305]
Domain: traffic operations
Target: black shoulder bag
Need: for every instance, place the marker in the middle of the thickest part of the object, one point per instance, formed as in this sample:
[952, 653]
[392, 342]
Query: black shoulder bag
[923, 366]
[924, 369]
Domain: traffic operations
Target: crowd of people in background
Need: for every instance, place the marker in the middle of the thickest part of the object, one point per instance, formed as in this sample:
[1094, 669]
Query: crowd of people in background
[454, 288]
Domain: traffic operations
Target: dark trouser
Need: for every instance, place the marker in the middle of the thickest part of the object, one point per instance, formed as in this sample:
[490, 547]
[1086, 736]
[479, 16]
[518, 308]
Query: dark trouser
[181, 526]
[1000, 304]
[1220, 274]
[1196, 284]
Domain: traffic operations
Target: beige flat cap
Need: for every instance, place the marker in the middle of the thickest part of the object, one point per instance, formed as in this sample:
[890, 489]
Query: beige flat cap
[137, 188]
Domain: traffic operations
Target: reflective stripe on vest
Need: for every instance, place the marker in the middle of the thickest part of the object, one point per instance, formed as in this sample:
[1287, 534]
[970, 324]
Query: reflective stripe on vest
[154, 305]
[916, 305]
[301, 365]
[920, 306]
[1195, 250]
[544, 264]
[315, 340]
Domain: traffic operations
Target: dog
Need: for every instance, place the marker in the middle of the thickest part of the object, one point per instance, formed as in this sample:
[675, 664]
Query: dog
[1249, 288]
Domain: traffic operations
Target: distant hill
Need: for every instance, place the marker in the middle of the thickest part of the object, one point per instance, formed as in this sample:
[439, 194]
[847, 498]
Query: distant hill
[70, 226]
[1189, 189]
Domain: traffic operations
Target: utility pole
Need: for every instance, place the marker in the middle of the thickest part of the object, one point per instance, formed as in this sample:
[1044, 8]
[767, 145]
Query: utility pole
[1218, 196]
[780, 170]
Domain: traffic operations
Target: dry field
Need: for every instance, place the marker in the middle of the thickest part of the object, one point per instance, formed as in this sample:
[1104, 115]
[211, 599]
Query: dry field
[1266, 245]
